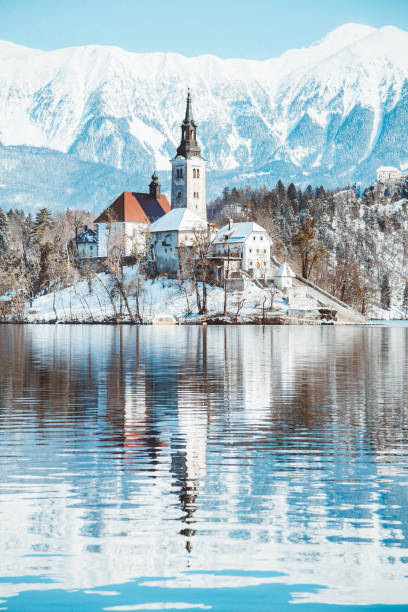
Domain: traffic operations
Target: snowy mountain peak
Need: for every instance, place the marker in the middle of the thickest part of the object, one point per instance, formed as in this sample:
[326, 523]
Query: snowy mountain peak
[345, 35]
[329, 113]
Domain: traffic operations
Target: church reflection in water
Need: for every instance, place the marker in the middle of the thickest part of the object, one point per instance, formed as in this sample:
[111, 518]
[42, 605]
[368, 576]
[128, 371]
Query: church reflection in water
[175, 448]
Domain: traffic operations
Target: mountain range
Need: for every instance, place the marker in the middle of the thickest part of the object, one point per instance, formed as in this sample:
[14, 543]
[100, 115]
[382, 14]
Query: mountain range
[80, 125]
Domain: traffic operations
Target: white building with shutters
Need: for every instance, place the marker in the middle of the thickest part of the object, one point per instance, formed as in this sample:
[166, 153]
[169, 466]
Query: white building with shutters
[248, 241]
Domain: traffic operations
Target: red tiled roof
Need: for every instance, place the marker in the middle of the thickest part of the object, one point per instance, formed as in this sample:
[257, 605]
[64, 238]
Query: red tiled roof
[136, 208]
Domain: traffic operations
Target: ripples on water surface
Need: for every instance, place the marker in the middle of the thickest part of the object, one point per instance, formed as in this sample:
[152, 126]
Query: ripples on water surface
[226, 469]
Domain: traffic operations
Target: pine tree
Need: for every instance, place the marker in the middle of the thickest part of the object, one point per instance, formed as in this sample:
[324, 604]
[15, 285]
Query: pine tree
[4, 234]
[292, 193]
[280, 187]
[404, 189]
[43, 221]
[226, 194]
[320, 192]
[385, 292]
[405, 299]
[309, 192]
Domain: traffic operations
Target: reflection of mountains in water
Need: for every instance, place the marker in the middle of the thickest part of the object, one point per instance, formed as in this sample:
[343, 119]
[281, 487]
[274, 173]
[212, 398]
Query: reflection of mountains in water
[232, 437]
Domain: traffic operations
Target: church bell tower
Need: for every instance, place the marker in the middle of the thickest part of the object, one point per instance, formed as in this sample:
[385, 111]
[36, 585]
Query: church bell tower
[188, 169]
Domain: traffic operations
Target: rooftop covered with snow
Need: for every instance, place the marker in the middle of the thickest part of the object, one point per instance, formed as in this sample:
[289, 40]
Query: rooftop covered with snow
[178, 220]
[238, 232]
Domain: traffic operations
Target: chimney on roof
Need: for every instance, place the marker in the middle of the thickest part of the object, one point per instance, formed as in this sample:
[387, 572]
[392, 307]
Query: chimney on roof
[154, 187]
[230, 223]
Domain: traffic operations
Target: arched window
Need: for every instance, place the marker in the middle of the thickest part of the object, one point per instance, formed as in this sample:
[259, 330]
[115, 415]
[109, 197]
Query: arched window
[194, 172]
[198, 173]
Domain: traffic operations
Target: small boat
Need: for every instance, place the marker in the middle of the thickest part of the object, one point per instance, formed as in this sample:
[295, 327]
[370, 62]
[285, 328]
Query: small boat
[164, 319]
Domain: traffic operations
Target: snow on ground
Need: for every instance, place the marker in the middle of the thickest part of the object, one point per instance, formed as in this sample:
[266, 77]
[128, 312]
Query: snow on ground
[395, 313]
[91, 303]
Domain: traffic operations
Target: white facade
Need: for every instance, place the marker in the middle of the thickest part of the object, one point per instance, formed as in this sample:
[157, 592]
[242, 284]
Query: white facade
[284, 276]
[87, 249]
[129, 235]
[388, 173]
[389, 180]
[188, 188]
[178, 228]
[248, 240]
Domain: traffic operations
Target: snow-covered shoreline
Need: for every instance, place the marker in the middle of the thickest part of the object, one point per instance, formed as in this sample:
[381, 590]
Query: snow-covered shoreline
[88, 302]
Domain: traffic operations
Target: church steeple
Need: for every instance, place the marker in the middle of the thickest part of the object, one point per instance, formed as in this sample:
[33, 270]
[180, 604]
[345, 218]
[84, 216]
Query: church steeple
[154, 187]
[188, 146]
[188, 169]
[189, 109]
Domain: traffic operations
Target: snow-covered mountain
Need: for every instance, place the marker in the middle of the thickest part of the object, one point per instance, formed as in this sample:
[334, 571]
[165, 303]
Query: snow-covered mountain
[330, 113]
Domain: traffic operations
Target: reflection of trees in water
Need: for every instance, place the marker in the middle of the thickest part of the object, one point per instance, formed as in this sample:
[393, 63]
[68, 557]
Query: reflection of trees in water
[154, 393]
[281, 378]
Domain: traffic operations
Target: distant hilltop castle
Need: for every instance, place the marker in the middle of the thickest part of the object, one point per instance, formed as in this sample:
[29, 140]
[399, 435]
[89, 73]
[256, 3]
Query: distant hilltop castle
[389, 180]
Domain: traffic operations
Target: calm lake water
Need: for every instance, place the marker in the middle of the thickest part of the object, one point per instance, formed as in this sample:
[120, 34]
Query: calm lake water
[221, 468]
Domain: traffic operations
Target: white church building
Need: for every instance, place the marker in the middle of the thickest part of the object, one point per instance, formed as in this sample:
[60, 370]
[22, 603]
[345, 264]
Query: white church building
[180, 228]
[188, 215]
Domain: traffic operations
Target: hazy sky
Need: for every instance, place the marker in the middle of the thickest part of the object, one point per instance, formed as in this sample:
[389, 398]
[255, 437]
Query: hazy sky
[252, 28]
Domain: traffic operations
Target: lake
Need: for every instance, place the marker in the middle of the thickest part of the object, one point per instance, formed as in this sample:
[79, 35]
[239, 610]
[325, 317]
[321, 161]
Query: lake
[190, 468]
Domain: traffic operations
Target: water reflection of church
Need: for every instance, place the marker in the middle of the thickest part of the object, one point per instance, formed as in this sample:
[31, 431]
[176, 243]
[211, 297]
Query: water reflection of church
[210, 425]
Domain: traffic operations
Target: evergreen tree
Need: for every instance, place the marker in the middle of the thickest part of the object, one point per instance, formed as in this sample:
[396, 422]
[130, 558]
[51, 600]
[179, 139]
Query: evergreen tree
[4, 234]
[385, 292]
[404, 189]
[235, 195]
[226, 194]
[43, 221]
[292, 193]
[320, 192]
[280, 187]
[309, 192]
[405, 299]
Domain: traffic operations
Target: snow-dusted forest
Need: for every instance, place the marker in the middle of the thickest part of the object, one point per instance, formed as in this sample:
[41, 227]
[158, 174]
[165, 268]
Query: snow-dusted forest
[352, 245]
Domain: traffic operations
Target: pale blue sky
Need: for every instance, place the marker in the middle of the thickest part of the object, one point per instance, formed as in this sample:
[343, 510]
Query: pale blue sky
[253, 28]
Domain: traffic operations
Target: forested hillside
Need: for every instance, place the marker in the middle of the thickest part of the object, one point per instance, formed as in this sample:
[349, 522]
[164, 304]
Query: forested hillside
[353, 245]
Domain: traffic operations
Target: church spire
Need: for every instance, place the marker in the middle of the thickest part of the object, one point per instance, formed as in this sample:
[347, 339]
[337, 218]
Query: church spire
[188, 146]
[189, 109]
